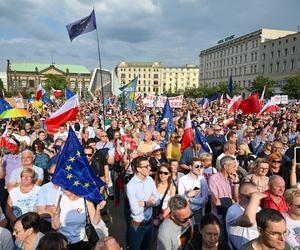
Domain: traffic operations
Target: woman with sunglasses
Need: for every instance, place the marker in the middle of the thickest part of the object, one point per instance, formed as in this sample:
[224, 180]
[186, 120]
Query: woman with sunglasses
[173, 148]
[166, 190]
[209, 235]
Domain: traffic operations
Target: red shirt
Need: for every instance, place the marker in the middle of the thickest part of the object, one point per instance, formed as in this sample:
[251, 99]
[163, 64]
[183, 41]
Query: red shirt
[268, 202]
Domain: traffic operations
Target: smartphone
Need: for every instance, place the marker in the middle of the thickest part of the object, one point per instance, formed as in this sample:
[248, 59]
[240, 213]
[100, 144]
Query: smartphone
[297, 154]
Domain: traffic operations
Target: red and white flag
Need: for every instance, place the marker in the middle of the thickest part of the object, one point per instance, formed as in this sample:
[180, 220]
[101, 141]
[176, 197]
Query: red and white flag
[39, 93]
[228, 99]
[57, 92]
[187, 138]
[269, 107]
[8, 143]
[234, 103]
[68, 112]
[263, 94]
[206, 103]
[250, 105]
[221, 99]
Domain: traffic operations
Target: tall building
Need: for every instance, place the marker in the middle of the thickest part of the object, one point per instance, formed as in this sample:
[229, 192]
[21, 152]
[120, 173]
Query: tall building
[154, 78]
[29, 75]
[239, 57]
[280, 58]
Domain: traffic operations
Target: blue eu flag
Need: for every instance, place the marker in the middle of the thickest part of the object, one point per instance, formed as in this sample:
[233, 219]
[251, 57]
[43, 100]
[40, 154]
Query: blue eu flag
[82, 26]
[74, 173]
[167, 116]
[69, 94]
[201, 139]
[4, 105]
[230, 86]
[46, 99]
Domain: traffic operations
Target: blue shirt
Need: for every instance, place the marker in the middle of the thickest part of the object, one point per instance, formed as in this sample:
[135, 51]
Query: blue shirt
[141, 190]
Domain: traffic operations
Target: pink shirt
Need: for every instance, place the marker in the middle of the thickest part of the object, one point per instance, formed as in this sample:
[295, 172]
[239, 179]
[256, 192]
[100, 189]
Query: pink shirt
[219, 186]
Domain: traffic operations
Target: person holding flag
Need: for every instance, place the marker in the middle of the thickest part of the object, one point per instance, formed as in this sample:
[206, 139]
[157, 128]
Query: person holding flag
[81, 190]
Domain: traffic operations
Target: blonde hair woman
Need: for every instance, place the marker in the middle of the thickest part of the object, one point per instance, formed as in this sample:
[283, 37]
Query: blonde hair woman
[245, 156]
[173, 148]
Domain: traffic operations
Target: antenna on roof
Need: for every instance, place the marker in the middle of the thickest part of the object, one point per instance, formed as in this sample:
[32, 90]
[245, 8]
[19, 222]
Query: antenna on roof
[52, 62]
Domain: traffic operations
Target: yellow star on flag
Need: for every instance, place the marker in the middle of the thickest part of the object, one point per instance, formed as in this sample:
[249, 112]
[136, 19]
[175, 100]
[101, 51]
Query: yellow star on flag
[68, 167]
[76, 183]
[86, 184]
[69, 176]
[72, 159]
[78, 153]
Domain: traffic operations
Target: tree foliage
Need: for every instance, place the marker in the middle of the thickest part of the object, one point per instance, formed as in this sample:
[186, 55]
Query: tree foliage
[259, 83]
[56, 82]
[292, 87]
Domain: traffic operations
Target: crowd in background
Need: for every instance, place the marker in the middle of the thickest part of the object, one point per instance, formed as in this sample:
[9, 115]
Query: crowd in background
[243, 193]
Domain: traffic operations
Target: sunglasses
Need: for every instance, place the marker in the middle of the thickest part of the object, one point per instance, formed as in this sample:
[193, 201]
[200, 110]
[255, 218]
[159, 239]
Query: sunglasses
[183, 220]
[297, 205]
[88, 154]
[164, 173]
[197, 166]
[276, 161]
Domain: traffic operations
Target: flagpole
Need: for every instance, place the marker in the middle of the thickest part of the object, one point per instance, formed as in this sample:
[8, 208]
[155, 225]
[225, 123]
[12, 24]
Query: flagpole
[101, 78]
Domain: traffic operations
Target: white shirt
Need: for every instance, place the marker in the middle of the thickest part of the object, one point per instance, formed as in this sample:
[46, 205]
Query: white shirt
[60, 135]
[72, 219]
[238, 235]
[293, 227]
[15, 176]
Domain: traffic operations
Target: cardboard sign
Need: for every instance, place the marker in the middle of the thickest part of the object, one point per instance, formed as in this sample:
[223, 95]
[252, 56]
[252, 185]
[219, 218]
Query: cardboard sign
[175, 102]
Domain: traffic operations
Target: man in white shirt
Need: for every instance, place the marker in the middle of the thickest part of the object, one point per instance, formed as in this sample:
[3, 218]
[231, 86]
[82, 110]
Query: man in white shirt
[62, 133]
[240, 219]
[193, 186]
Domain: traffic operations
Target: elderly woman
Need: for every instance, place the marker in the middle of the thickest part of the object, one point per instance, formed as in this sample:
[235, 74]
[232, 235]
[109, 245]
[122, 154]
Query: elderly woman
[26, 231]
[69, 218]
[23, 199]
[292, 216]
[258, 174]
[245, 156]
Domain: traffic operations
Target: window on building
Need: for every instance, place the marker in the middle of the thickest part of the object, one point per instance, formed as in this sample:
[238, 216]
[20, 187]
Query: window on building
[255, 69]
[262, 68]
[252, 44]
[245, 58]
[256, 43]
[271, 68]
[277, 67]
[241, 58]
[284, 66]
[155, 76]
[252, 56]
[264, 46]
[279, 43]
[263, 56]
[245, 70]
[272, 44]
[246, 46]
[236, 60]
[31, 83]
[155, 82]
[278, 53]
[251, 69]
[285, 52]
[123, 75]
[293, 50]
[287, 40]
[240, 70]
[272, 55]
[292, 64]
[129, 75]
[236, 49]
[241, 48]
[294, 39]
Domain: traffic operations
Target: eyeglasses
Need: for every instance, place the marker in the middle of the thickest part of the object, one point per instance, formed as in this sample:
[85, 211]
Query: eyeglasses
[164, 173]
[276, 161]
[103, 136]
[264, 169]
[278, 234]
[182, 221]
[88, 154]
[147, 166]
[26, 177]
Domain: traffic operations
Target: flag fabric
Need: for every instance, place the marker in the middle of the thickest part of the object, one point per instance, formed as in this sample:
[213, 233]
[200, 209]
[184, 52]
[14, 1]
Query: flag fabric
[82, 26]
[68, 112]
[40, 92]
[129, 92]
[221, 99]
[234, 104]
[46, 99]
[4, 105]
[250, 105]
[228, 99]
[230, 86]
[57, 92]
[69, 94]
[263, 94]
[206, 103]
[201, 139]
[74, 173]
[269, 107]
[214, 97]
[187, 138]
[166, 116]
[8, 143]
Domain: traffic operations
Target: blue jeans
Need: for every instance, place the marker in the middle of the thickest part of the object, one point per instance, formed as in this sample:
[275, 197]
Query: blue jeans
[140, 237]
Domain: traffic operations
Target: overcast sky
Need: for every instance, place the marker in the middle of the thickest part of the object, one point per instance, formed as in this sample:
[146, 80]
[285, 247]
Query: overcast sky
[170, 31]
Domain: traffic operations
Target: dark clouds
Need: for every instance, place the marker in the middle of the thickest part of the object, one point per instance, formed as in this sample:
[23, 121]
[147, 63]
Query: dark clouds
[170, 31]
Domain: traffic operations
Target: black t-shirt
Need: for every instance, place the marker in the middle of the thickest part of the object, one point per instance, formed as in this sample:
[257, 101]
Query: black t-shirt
[99, 161]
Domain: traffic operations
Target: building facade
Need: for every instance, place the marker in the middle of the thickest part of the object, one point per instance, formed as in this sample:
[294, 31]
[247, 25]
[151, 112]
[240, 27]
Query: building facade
[280, 58]
[237, 57]
[154, 78]
[29, 75]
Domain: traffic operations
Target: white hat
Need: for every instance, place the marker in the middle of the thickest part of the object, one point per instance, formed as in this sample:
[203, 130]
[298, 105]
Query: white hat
[156, 147]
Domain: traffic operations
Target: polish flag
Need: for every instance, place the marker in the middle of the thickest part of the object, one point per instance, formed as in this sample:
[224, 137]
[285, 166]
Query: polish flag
[68, 112]
[187, 138]
[8, 143]
[221, 100]
[228, 99]
[234, 103]
[206, 103]
[269, 107]
[39, 93]
[57, 92]
[251, 105]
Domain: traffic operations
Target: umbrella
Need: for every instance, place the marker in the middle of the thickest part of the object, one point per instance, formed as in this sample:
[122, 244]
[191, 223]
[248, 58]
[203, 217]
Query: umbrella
[15, 112]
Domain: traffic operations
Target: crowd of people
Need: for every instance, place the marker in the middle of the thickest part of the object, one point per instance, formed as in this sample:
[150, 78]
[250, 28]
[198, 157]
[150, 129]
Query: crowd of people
[241, 192]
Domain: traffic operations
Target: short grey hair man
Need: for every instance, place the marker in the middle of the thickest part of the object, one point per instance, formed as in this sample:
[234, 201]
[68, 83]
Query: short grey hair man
[226, 160]
[177, 202]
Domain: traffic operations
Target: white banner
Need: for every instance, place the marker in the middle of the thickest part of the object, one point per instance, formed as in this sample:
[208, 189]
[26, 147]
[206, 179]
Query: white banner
[175, 102]
[280, 99]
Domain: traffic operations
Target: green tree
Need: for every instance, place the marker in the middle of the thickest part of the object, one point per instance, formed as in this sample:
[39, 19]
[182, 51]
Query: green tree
[259, 83]
[292, 87]
[56, 82]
